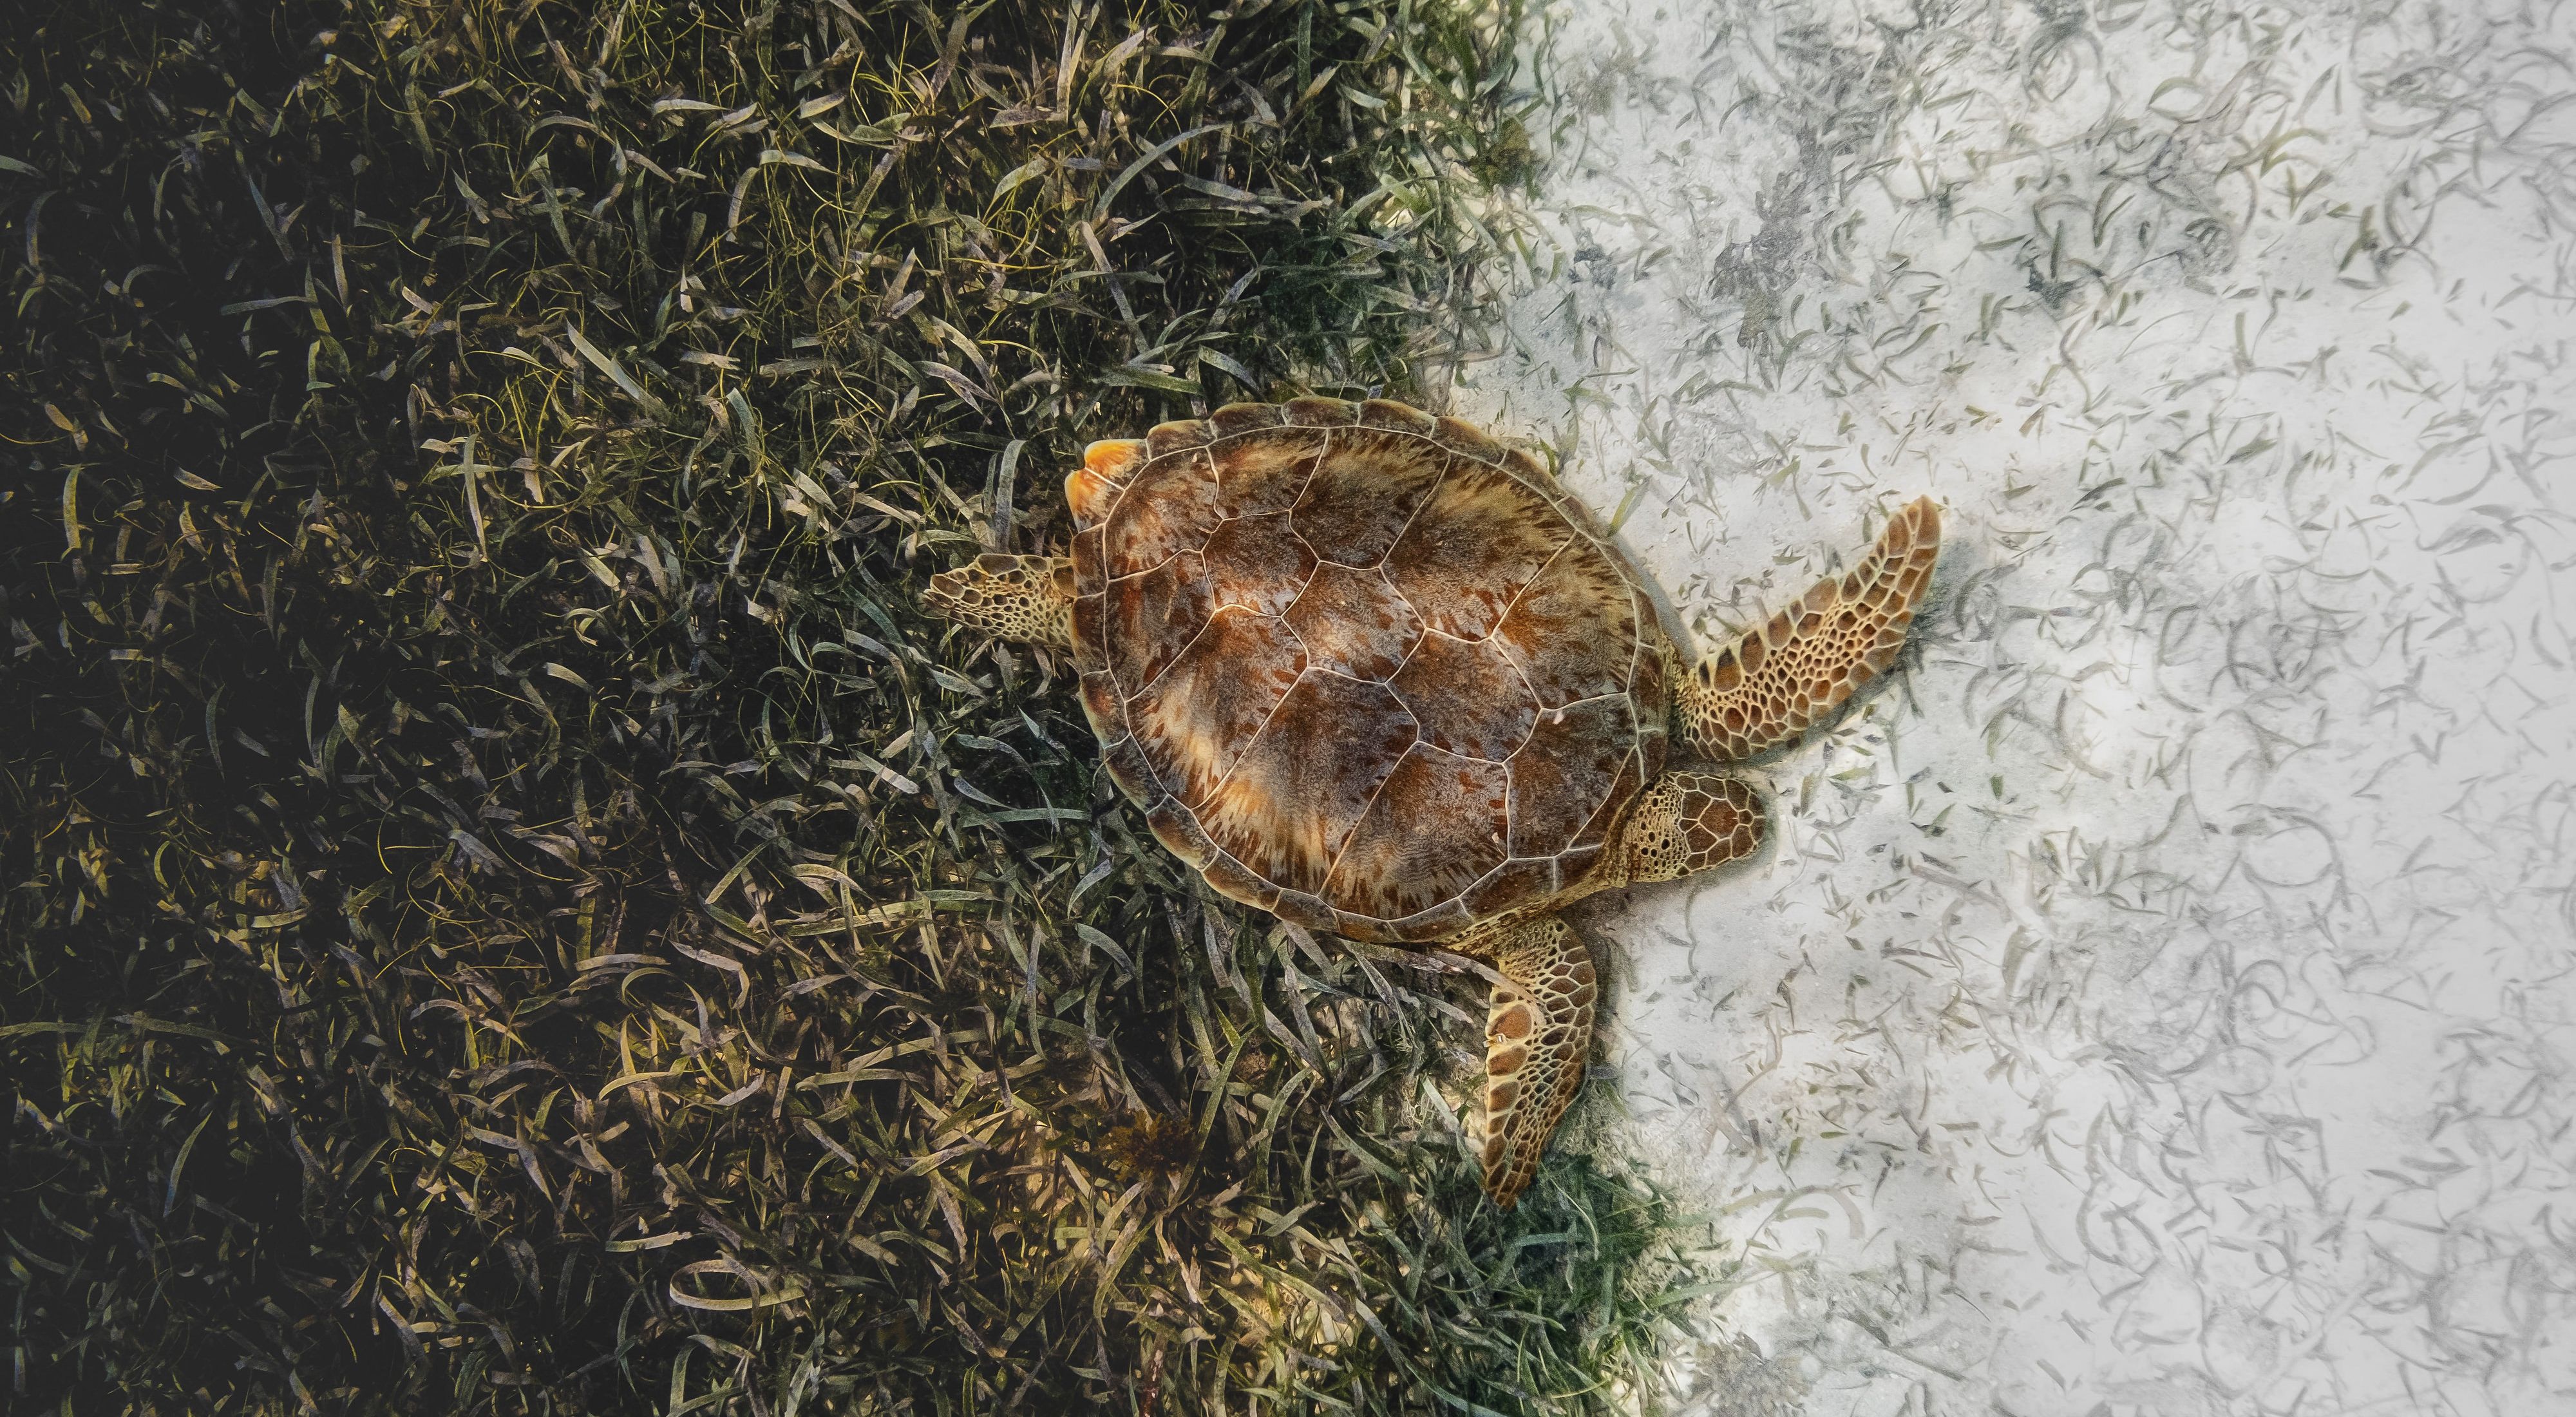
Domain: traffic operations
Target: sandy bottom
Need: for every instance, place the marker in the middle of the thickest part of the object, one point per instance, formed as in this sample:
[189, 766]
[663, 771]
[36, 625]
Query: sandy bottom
[2157, 999]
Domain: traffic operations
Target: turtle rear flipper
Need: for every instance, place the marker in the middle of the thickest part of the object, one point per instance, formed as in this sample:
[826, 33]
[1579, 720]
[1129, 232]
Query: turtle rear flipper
[1026, 598]
[1790, 674]
[1536, 1038]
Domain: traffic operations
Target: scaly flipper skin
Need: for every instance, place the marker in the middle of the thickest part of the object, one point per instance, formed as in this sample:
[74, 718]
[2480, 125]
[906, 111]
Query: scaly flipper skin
[1536, 1038]
[1025, 598]
[1784, 678]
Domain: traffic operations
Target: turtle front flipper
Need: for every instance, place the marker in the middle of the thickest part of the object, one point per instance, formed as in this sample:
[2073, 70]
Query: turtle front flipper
[1536, 1038]
[1785, 677]
[1027, 598]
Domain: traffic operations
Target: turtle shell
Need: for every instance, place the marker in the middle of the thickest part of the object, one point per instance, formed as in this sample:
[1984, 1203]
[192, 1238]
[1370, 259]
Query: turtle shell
[1362, 667]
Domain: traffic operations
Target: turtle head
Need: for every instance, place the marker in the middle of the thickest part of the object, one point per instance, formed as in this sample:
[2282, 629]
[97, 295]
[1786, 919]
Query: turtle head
[1026, 598]
[1689, 821]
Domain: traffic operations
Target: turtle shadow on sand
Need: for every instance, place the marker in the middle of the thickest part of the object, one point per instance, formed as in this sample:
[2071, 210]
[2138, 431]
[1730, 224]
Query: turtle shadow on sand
[1379, 675]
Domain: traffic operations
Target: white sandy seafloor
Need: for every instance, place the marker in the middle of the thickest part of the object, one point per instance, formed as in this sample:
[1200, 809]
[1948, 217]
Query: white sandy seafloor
[2159, 999]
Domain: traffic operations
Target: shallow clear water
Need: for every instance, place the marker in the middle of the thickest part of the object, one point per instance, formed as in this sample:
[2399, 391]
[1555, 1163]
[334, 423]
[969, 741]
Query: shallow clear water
[2159, 996]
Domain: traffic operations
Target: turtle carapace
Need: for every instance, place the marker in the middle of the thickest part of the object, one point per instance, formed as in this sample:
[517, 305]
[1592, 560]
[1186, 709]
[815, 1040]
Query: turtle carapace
[1378, 674]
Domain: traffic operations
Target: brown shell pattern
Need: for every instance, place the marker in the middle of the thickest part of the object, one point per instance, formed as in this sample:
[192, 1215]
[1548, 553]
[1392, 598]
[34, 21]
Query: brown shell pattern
[1363, 667]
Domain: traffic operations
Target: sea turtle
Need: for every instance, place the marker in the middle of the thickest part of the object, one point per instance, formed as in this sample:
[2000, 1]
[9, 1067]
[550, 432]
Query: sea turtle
[1376, 673]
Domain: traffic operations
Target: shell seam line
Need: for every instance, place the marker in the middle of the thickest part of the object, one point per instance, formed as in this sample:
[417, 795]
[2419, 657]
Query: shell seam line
[1177, 655]
[1398, 591]
[1219, 785]
[1449, 464]
[1312, 469]
[1428, 630]
[1345, 847]
[1514, 604]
